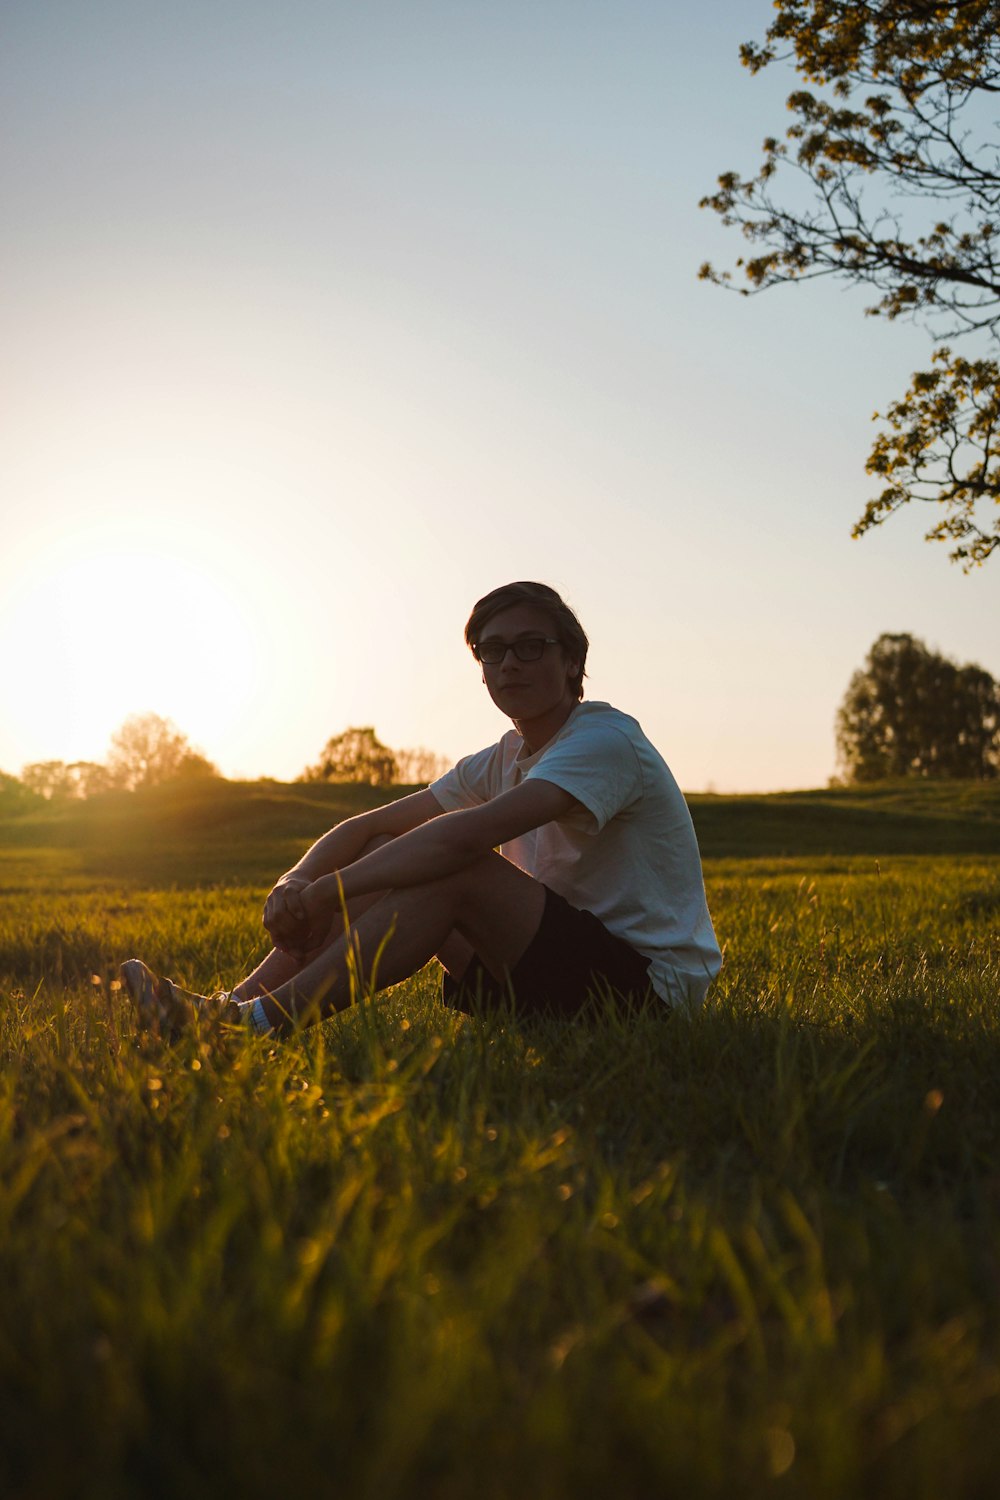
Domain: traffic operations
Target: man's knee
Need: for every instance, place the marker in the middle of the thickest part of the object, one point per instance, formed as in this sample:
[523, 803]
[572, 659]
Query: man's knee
[497, 908]
[479, 881]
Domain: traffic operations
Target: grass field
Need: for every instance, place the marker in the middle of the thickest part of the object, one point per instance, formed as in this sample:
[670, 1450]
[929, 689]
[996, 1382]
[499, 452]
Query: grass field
[412, 1253]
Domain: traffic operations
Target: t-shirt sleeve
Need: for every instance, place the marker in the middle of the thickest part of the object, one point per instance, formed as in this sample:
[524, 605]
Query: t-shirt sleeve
[473, 781]
[599, 767]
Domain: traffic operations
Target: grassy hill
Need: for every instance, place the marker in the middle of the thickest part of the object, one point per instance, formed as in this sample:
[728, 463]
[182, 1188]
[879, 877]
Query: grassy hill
[206, 832]
[960, 817]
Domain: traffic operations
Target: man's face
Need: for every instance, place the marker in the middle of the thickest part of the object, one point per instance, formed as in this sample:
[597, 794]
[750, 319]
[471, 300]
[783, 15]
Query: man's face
[526, 690]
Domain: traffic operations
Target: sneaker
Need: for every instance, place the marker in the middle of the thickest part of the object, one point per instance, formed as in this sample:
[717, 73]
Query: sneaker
[163, 1006]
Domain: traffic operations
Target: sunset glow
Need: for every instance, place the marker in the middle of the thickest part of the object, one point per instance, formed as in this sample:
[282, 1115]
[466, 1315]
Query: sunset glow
[321, 321]
[110, 631]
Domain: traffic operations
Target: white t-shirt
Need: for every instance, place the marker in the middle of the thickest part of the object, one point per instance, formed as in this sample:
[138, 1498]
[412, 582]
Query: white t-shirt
[629, 854]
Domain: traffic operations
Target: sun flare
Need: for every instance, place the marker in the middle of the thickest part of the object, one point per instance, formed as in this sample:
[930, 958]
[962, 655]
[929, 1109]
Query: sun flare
[101, 631]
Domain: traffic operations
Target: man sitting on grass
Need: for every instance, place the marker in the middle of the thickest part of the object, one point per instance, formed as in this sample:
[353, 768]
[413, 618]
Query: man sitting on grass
[597, 887]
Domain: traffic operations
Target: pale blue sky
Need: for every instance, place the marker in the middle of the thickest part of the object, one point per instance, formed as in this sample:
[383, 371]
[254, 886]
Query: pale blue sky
[319, 320]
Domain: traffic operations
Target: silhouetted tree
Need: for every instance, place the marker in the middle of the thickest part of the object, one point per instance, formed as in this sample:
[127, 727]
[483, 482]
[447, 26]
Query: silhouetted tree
[911, 712]
[148, 750]
[357, 755]
[15, 796]
[55, 779]
[48, 779]
[892, 181]
[419, 767]
[89, 778]
[193, 766]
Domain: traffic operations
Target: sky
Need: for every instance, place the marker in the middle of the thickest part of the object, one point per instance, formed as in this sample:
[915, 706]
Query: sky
[319, 320]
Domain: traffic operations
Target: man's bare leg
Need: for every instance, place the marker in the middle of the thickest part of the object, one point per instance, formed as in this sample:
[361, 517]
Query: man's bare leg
[278, 968]
[455, 955]
[495, 907]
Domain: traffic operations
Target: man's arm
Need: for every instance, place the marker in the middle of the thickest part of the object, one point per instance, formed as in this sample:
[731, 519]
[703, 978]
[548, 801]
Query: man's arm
[342, 845]
[434, 848]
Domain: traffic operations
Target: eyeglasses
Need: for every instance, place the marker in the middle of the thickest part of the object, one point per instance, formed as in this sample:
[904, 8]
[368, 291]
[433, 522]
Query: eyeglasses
[527, 648]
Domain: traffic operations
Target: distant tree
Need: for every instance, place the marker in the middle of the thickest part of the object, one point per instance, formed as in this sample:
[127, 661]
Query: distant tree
[193, 766]
[48, 778]
[15, 797]
[911, 712]
[148, 750]
[357, 755]
[88, 778]
[419, 767]
[57, 780]
[892, 181]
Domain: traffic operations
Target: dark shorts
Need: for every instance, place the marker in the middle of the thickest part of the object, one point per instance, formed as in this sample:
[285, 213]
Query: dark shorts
[571, 956]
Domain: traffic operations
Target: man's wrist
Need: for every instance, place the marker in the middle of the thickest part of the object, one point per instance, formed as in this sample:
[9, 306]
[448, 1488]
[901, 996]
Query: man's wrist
[325, 892]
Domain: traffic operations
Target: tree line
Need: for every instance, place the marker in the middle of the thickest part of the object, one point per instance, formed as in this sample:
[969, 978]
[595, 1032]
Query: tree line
[908, 712]
[358, 755]
[149, 750]
[146, 750]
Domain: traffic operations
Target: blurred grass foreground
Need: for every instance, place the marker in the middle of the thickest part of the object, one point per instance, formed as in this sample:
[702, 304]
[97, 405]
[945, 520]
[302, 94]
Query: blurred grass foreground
[414, 1253]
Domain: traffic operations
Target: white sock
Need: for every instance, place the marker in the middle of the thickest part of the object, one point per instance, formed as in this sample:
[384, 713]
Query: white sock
[253, 1013]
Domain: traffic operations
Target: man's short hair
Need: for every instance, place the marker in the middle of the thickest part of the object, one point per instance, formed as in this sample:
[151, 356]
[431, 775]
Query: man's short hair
[565, 625]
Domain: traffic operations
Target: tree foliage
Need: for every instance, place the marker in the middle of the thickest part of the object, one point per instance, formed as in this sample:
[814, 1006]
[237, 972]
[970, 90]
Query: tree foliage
[357, 755]
[890, 179]
[15, 797]
[148, 750]
[911, 712]
[145, 751]
[71, 781]
[419, 766]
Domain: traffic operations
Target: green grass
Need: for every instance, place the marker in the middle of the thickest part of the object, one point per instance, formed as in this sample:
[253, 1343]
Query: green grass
[414, 1253]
